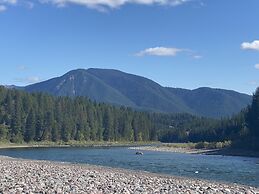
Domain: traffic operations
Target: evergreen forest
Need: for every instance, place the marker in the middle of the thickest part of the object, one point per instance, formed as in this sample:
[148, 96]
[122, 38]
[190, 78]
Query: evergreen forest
[33, 117]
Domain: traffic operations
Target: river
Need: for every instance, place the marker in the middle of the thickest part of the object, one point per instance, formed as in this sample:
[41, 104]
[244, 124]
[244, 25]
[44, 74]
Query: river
[233, 169]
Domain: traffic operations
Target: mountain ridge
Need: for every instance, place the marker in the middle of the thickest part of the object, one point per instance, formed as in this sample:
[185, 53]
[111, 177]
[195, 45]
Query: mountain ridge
[120, 88]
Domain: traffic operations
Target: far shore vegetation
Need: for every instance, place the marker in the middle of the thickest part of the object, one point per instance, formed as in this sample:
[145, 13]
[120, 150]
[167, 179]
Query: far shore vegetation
[189, 145]
[74, 143]
[39, 119]
[199, 145]
[207, 148]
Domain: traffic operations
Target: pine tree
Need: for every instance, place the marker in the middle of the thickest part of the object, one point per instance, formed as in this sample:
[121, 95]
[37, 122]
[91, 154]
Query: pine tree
[107, 125]
[252, 120]
[30, 127]
[16, 125]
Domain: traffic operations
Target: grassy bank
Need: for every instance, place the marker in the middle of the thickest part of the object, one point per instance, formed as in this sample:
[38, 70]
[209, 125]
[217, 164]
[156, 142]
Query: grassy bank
[199, 145]
[74, 144]
[208, 148]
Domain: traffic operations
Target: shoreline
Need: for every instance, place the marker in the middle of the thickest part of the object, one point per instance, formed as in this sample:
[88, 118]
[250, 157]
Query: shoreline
[186, 150]
[49, 176]
[141, 146]
[170, 149]
[75, 144]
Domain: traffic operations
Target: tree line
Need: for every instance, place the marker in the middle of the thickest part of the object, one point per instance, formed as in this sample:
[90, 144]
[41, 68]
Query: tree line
[242, 129]
[41, 117]
[26, 117]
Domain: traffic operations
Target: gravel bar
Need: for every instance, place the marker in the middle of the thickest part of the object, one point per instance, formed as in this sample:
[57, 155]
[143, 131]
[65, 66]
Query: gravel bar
[33, 176]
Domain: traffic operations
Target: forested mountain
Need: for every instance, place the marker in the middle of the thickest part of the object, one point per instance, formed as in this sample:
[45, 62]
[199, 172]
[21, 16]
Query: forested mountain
[251, 130]
[116, 87]
[213, 102]
[41, 117]
[81, 83]
[242, 129]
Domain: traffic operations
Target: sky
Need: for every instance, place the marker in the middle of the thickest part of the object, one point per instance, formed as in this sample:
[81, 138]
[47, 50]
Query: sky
[177, 43]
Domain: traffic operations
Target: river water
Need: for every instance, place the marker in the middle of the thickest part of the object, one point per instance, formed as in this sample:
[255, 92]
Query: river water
[242, 170]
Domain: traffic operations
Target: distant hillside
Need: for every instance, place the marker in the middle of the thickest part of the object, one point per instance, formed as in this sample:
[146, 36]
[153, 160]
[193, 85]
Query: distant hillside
[81, 83]
[116, 87]
[213, 102]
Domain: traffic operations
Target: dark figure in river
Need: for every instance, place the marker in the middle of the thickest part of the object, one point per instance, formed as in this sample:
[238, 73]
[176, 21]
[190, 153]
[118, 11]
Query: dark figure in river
[139, 153]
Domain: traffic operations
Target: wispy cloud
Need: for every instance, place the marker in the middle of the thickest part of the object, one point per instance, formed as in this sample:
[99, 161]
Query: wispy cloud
[29, 4]
[250, 45]
[197, 56]
[5, 3]
[2, 8]
[104, 4]
[28, 80]
[160, 51]
[257, 66]
[22, 68]
[8, 1]
[101, 5]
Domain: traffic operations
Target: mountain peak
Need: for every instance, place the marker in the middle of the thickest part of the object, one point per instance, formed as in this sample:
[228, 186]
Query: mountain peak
[117, 87]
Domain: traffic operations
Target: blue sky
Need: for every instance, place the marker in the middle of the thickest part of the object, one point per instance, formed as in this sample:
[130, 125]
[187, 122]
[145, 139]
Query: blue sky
[177, 43]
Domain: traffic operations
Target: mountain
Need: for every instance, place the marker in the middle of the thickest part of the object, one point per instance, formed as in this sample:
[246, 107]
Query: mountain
[145, 93]
[116, 87]
[213, 102]
[81, 83]
[13, 87]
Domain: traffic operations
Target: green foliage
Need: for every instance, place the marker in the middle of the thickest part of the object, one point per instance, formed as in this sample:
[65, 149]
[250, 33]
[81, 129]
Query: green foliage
[116, 87]
[30, 127]
[3, 132]
[252, 121]
[239, 131]
[195, 129]
[40, 117]
[214, 103]
[212, 145]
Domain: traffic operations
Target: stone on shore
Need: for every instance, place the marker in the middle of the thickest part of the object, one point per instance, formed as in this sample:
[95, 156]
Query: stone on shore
[28, 176]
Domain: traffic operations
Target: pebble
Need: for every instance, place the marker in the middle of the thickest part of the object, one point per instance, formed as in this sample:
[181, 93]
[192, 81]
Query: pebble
[32, 176]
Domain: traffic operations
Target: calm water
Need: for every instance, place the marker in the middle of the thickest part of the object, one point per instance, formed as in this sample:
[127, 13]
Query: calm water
[241, 170]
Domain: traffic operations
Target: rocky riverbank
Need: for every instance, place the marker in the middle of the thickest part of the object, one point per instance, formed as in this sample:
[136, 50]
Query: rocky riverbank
[28, 176]
[188, 150]
[162, 148]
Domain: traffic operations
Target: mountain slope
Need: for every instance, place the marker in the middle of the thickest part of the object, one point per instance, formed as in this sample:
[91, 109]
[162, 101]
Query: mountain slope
[212, 102]
[80, 83]
[116, 87]
[144, 92]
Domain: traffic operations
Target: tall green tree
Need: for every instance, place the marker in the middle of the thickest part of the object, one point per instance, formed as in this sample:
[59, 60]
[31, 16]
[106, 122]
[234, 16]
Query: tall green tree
[252, 120]
[29, 134]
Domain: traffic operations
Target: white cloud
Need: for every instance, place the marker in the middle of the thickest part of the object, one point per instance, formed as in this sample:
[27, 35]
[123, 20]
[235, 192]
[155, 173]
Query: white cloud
[160, 51]
[114, 3]
[257, 66]
[101, 5]
[250, 45]
[28, 80]
[197, 56]
[4, 4]
[29, 4]
[2, 8]
[8, 2]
